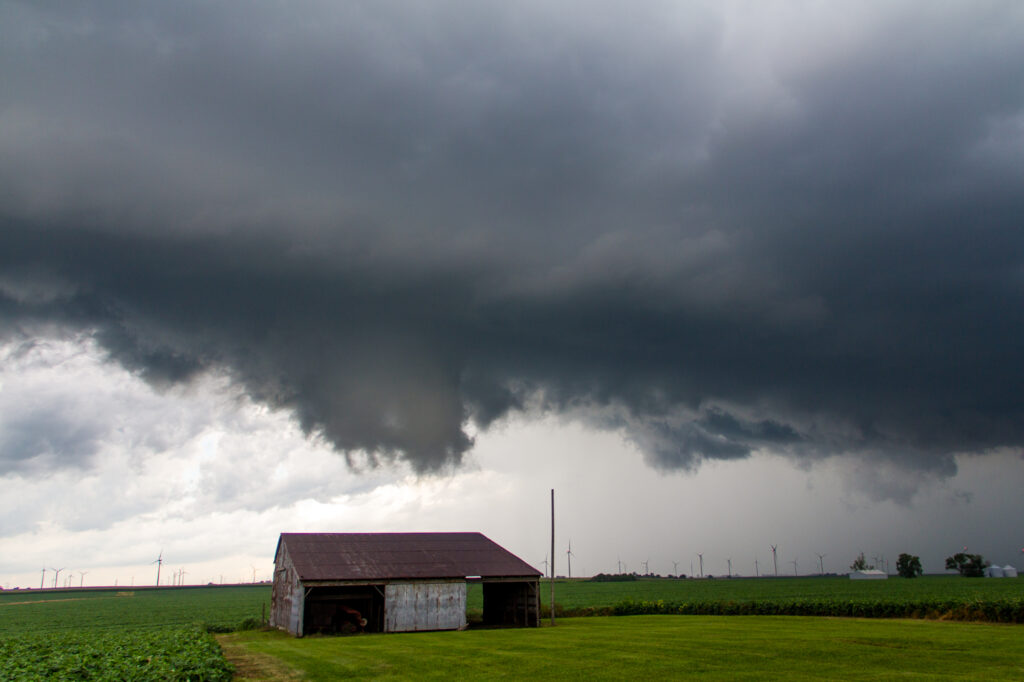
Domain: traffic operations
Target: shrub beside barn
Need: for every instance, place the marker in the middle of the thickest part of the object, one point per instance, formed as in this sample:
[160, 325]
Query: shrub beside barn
[397, 582]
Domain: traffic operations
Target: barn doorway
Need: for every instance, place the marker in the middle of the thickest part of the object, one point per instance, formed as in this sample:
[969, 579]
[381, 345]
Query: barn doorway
[344, 609]
[511, 604]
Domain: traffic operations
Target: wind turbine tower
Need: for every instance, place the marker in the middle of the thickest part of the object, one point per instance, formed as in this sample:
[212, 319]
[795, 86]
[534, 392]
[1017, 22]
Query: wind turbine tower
[775, 560]
[44, 577]
[569, 555]
[729, 563]
[701, 558]
[55, 575]
[821, 563]
[159, 562]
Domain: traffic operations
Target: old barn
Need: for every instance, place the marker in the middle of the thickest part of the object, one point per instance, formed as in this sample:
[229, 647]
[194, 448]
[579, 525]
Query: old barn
[397, 582]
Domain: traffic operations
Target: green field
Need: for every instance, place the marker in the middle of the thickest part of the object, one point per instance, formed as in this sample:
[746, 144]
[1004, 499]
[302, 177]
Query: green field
[141, 634]
[26, 611]
[656, 647]
[161, 634]
[937, 595]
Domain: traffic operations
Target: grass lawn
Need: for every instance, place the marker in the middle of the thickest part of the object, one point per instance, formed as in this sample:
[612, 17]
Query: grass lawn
[653, 647]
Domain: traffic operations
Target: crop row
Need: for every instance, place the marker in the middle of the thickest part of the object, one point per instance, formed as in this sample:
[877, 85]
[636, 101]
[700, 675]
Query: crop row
[165, 654]
[997, 611]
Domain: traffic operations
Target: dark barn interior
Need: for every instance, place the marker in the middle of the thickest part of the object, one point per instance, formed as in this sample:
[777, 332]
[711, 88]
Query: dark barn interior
[510, 603]
[341, 609]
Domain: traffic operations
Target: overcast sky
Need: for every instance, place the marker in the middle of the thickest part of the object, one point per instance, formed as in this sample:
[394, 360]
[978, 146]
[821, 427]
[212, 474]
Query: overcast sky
[724, 274]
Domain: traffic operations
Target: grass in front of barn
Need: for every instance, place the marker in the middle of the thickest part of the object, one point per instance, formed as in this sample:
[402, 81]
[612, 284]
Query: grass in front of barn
[662, 646]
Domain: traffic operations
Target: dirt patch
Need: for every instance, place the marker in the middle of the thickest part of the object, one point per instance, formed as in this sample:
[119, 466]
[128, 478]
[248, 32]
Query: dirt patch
[250, 665]
[39, 601]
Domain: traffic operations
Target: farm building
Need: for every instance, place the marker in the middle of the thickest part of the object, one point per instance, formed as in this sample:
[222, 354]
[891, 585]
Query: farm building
[869, 574]
[397, 582]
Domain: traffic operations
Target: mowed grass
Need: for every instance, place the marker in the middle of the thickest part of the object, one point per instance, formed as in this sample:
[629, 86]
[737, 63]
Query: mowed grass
[639, 647]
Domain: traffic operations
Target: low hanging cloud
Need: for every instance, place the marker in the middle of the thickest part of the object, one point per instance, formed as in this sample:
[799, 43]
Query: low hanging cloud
[718, 231]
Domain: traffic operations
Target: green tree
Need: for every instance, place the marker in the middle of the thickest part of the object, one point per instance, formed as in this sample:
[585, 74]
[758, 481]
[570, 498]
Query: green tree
[860, 563]
[908, 566]
[968, 565]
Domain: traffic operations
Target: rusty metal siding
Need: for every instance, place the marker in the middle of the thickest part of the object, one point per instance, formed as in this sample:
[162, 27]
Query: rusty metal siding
[417, 606]
[287, 595]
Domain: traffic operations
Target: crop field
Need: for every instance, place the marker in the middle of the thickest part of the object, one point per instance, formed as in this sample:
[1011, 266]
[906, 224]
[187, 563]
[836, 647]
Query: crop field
[651, 647]
[53, 610]
[144, 634]
[936, 596]
[152, 654]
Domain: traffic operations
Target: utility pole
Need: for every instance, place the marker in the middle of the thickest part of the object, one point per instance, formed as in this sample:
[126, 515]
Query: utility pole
[552, 556]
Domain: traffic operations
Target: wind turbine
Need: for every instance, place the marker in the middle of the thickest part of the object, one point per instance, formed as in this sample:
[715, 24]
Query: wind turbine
[646, 563]
[569, 555]
[775, 560]
[821, 563]
[44, 576]
[619, 560]
[55, 575]
[701, 557]
[159, 562]
[81, 576]
[675, 568]
[729, 562]
[545, 562]
[757, 570]
[794, 567]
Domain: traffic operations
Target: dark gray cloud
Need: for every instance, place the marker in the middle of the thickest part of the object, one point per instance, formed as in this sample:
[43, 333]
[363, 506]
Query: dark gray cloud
[791, 231]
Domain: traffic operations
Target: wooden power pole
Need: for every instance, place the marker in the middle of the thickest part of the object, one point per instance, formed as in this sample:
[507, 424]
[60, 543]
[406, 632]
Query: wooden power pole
[552, 556]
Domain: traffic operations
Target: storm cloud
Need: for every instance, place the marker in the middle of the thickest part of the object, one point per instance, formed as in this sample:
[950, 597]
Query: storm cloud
[720, 229]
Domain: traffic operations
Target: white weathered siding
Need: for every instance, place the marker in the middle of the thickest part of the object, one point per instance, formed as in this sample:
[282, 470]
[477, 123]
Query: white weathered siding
[287, 596]
[424, 606]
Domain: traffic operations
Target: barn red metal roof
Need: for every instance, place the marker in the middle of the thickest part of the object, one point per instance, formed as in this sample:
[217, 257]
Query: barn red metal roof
[381, 556]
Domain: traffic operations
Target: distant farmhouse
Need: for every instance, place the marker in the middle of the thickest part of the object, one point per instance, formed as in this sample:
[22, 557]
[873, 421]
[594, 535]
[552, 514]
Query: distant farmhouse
[397, 582]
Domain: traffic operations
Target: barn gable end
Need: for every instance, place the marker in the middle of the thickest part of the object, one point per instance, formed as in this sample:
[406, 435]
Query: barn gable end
[397, 582]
